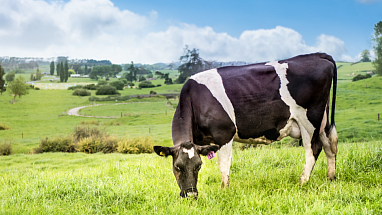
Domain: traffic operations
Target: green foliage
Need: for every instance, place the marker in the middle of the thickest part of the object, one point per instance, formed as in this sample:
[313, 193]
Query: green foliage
[377, 39]
[75, 87]
[109, 98]
[62, 72]
[117, 84]
[51, 68]
[102, 82]
[2, 81]
[131, 84]
[90, 87]
[136, 145]
[365, 56]
[192, 64]
[141, 78]
[106, 90]
[18, 87]
[152, 92]
[81, 92]
[57, 144]
[146, 84]
[360, 77]
[38, 74]
[19, 71]
[66, 70]
[86, 132]
[5, 148]
[10, 76]
[71, 71]
[3, 127]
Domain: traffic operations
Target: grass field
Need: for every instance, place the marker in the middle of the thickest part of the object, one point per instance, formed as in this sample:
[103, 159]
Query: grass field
[263, 180]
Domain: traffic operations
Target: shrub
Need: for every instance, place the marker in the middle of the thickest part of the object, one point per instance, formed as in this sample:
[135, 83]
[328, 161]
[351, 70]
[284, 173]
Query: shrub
[90, 87]
[124, 80]
[75, 87]
[152, 92]
[360, 77]
[102, 82]
[84, 132]
[5, 148]
[136, 145]
[89, 145]
[109, 98]
[146, 84]
[3, 127]
[118, 84]
[57, 144]
[106, 90]
[37, 88]
[81, 92]
[158, 85]
[92, 122]
[131, 84]
[110, 144]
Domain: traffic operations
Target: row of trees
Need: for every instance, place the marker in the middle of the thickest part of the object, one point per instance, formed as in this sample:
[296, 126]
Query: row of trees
[105, 71]
[16, 87]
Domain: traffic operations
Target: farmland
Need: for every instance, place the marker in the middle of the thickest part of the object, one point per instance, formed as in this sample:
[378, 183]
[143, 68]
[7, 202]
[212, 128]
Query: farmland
[262, 179]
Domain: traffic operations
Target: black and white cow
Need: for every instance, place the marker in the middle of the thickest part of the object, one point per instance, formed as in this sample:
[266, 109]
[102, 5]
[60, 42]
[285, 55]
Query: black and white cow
[257, 103]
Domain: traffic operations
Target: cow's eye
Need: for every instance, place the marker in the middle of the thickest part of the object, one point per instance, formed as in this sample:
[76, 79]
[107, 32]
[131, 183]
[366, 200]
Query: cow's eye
[177, 168]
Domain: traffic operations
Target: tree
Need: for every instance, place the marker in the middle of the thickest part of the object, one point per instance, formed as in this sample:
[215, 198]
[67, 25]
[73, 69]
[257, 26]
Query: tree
[10, 76]
[192, 64]
[62, 72]
[66, 69]
[38, 74]
[377, 39]
[365, 56]
[167, 80]
[86, 69]
[58, 69]
[2, 81]
[32, 77]
[18, 87]
[132, 76]
[52, 68]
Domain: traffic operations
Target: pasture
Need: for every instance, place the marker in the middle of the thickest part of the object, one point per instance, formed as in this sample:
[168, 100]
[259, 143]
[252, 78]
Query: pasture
[263, 180]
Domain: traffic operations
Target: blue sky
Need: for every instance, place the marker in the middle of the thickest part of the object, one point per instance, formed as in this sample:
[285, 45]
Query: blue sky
[149, 31]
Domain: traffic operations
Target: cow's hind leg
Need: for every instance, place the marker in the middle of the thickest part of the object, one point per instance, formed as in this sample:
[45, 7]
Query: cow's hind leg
[330, 148]
[224, 157]
[310, 159]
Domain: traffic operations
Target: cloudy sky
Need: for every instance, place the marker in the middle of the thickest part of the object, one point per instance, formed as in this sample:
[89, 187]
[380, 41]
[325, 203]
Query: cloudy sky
[151, 31]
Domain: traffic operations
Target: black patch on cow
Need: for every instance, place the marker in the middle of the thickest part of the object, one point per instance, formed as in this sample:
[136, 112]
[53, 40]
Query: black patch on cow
[209, 122]
[254, 94]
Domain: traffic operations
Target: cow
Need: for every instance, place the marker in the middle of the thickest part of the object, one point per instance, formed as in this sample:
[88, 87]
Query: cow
[255, 104]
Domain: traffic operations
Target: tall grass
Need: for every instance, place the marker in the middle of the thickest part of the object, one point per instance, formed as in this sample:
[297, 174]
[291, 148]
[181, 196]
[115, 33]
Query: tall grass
[263, 180]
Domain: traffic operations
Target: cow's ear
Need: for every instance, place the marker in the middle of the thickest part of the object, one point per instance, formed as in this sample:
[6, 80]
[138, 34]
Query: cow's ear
[163, 151]
[204, 150]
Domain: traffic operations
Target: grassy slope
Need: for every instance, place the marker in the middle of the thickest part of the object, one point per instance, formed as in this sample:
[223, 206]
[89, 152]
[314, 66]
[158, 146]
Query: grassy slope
[262, 180]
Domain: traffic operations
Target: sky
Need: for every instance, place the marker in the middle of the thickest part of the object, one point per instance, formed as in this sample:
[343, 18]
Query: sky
[152, 31]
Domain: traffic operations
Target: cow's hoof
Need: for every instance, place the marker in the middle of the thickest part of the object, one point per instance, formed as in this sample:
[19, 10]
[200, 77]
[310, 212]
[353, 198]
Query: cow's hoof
[225, 182]
[332, 178]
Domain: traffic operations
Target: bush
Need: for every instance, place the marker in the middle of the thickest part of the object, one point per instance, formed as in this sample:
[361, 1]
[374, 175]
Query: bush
[360, 77]
[5, 148]
[102, 82]
[85, 132]
[57, 144]
[146, 84]
[37, 88]
[90, 87]
[118, 84]
[158, 85]
[136, 145]
[92, 122]
[106, 90]
[75, 87]
[131, 84]
[3, 127]
[124, 80]
[108, 98]
[81, 92]
[89, 145]
[152, 92]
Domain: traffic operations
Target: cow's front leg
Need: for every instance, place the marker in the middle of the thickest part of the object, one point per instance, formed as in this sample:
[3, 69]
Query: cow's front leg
[224, 157]
[310, 160]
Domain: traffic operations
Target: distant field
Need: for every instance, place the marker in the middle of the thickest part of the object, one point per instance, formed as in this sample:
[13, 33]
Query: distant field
[346, 70]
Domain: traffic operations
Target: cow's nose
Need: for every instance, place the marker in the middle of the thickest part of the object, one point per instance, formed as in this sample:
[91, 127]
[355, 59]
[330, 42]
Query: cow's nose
[192, 194]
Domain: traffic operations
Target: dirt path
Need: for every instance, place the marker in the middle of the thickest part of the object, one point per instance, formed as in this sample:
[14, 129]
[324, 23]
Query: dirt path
[74, 111]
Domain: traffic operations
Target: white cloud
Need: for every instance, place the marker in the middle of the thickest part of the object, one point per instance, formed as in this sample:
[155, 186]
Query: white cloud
[99, 30]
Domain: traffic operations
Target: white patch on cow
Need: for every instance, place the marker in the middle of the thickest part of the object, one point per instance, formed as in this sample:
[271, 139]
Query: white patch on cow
[213, 81]
[298, 114]
[224, 157]
[330, 156]
[190, 152]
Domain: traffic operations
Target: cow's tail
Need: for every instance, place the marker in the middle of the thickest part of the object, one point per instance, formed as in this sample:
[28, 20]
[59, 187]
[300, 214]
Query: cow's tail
[333, 138]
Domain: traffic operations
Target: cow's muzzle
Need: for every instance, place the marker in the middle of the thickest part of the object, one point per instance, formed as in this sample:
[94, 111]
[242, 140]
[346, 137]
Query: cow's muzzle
[189, 193]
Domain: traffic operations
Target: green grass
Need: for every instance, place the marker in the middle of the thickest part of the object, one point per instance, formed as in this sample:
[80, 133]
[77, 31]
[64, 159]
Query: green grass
[346, 70]
[263, 180]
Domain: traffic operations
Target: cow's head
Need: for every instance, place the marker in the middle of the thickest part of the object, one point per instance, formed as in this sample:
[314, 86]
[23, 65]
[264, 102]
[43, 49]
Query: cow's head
[186, 164]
